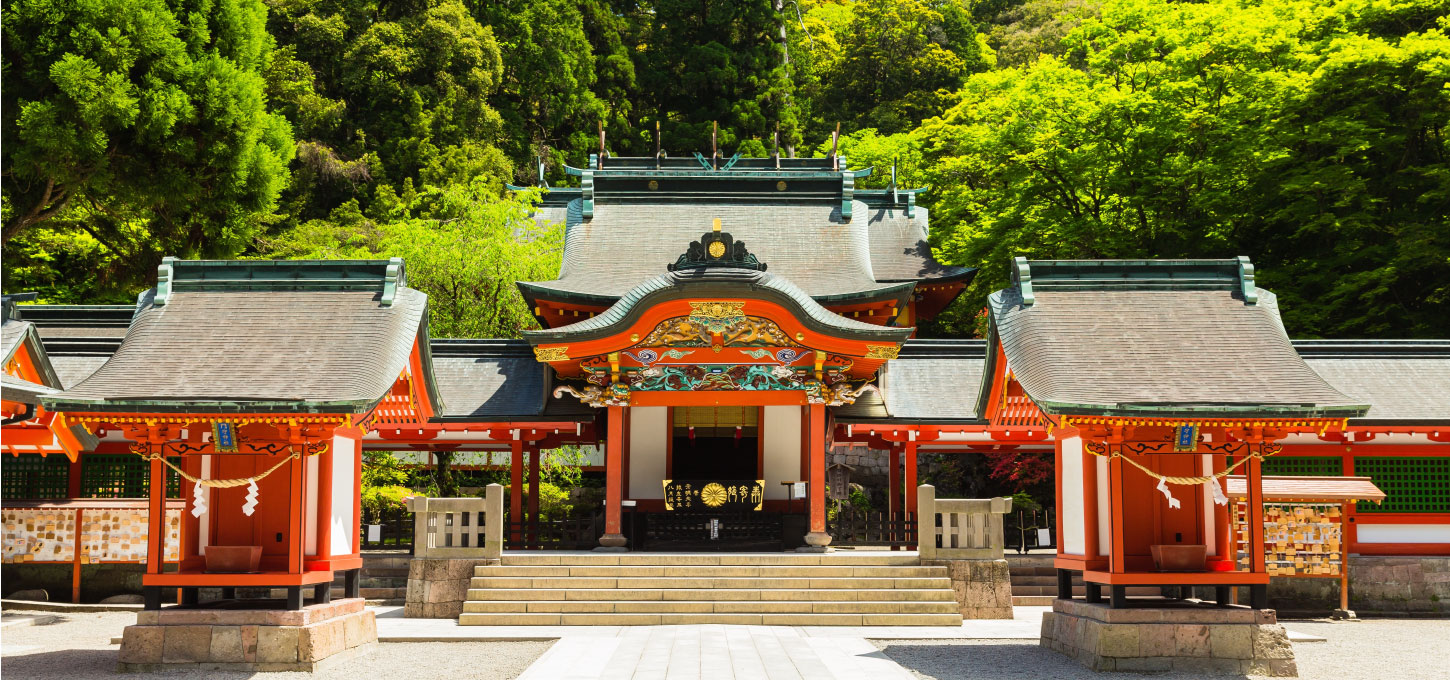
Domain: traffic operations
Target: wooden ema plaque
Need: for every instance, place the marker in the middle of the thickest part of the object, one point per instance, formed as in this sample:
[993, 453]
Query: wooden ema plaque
[1300, 539]
[704, 495]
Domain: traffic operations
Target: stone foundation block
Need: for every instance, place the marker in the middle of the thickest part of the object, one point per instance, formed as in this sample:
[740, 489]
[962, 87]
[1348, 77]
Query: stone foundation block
[248, 640]
[437, 587]
[1187, 637]
[983, 588]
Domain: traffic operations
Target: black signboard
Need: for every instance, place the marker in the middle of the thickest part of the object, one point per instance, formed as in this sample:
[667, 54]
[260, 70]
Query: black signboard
[706, 495]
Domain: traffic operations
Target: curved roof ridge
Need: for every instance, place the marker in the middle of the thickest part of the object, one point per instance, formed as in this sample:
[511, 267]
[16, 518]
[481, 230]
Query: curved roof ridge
[721, 282]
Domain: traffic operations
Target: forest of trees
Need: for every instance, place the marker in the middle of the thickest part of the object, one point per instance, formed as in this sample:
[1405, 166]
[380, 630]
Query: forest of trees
[1310, 135]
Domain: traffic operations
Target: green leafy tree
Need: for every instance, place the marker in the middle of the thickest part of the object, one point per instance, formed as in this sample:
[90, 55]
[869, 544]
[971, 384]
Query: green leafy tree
[387, 96]
[133, 130]
[717, 61]
[1286, 130]
[464, 246]
[901, 61]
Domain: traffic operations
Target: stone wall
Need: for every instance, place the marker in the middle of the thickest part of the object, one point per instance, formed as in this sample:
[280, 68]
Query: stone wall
[983, 588]
[98, 581]
[870, 468]
[438, 587]
[1380, 586]
[1197, 639]
[248, 639]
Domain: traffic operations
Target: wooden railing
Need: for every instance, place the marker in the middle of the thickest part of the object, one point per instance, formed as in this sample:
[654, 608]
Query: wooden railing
[459, 527]
[959, 529]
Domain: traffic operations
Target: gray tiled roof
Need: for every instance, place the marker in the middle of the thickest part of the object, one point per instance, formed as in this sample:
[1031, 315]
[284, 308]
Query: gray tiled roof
[15, 333]
[1402, 380]
[23, 391]
[808, 243]
[899, 247]
[72, 369]
[1159, 352]
[497, 380]
[931, 381]
[258, 350]
[12, 333]
[724, 282]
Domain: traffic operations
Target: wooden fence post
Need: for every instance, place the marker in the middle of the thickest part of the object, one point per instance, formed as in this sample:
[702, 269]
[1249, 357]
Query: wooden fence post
[926, 521]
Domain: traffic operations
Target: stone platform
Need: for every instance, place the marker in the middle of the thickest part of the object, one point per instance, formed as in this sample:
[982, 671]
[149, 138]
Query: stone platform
[248, 636]
[1164, 635]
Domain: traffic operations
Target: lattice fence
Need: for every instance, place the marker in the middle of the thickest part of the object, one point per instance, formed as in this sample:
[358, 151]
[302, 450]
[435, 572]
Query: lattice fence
[1418, 484]
[122, 476]
[1304, 466]
[35, 477]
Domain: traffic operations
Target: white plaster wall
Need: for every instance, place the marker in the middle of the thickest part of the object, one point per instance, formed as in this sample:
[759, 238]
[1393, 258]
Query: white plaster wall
[782, 432]
[344, 461]
[1073, 531]
[1403, 533]
[649, 427]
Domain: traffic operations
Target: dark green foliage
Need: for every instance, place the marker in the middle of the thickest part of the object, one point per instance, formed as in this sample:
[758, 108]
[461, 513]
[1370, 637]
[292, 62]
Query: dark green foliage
[133, 129]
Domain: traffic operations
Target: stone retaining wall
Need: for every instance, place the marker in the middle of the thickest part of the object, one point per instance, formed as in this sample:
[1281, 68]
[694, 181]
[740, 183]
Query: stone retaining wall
[1199, 639]
[983, 588]
[255, 640]
[438, 587]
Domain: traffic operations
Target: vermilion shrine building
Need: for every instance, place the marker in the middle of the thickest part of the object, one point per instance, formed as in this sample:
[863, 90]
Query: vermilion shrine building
[717, 328]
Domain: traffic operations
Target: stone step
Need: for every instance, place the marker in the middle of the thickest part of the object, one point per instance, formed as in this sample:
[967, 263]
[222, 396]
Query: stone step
[706, 607]
[789, 583]
[615, 619]
[1032, 600]
[382, 593]
[714, 594]
[704, 571]
[561, 558]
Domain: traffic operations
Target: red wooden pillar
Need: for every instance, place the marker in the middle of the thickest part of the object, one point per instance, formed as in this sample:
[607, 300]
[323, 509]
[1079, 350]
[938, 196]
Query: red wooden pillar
[324, 505]
[534, 466]
[516, 491]
[893, 493]
[817, 539]
[73, 479]
[911, 481]
[1116, 553]
[156, 518]
[1255, 483]
[613, 539]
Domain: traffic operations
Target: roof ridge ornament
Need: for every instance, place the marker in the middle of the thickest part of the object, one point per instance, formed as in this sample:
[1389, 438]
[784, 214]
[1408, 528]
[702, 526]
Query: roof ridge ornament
[163, 282]
[1246, 281]
[1023, 274]
[717, 248]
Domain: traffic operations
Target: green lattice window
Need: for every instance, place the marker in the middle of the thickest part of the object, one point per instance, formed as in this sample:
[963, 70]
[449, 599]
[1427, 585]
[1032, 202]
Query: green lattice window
[1410, 484]
[35, 477]
[1304, 466]
[122, 476]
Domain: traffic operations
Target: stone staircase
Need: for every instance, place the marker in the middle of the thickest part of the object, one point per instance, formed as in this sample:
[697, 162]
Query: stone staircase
[835, 589]
[1034, 581]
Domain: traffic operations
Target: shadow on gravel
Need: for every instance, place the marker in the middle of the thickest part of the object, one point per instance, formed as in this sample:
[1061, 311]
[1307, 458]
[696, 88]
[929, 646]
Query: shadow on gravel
[973, 659]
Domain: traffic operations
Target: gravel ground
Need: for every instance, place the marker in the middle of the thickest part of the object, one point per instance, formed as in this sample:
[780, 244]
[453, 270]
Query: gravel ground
[78, 647]
[1404, 649]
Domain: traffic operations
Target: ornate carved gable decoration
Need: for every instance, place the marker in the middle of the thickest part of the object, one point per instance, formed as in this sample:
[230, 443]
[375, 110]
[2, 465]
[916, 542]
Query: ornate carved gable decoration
[717, 249]
[716, 319]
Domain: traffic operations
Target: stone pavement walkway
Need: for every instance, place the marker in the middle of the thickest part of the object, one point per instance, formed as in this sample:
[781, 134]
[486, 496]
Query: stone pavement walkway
[714, 652]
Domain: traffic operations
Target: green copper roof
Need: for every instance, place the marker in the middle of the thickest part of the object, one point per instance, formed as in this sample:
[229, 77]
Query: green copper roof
[723, 282]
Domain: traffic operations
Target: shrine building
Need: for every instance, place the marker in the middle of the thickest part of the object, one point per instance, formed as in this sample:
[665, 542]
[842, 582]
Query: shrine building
[717, 329]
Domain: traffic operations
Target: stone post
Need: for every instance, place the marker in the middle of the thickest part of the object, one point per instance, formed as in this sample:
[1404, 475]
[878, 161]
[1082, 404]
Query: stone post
[971, 550]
